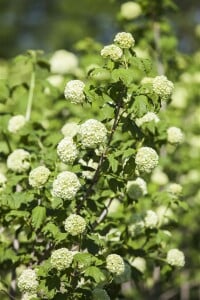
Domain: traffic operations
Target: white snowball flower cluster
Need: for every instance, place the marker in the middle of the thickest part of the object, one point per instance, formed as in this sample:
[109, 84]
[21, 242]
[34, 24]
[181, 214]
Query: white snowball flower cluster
[139, 263]
[112, 51]
[61, 259]
[63, 62]
[66, 185]
[163, 87]
[159, 177]
[19, 161]
[27, 281]
[124, 40]
[67, 150]
[70, 129]
[3, 181]
[115, 264]
[174, 135]
[175, 189]
[148, 117]
[150, 219]
[75, 224]
[100, 294]
[136, 188]
[92, 133]
[16, 123]
[55, 80]
[146, 159]
[38, 176]
[175, 258]
[74, 91]
[28, 296]
[130, 10]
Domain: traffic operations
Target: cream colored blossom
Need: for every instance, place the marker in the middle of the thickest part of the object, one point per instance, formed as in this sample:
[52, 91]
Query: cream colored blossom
[75, 224]
[38, 176]
[27, 281]
[130, 10]
[150, 219]
[63, 62]
[115, 264]
[163, 87]
[159, 177]
[124, 40]
[112, 51]
[67, 150]
[175, 258]
[74, 91]
[148, 117]
[146, 159]
[16, 123]
[175, 189]
[19, 161]
[92, 133]
[61, 259]
[70, 129]
[175, 135]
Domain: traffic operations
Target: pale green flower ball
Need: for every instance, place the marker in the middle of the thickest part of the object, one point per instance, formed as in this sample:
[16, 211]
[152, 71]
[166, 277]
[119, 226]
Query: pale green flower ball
[67, 150]
[16, 123]
[56, 81]
[136, 188]
[150, 219]
[124, 40]
[28, 296]
[38, 176]
[66, 185]
[163, 87]
[19, 161]
[159, 177]
[148, 117]
[174, 135]
[112, 51]
[139, 263]
[175, 258]
[70, 129]
[63, 62]
[146, 159]
[175, 189]
[75, 224]
[61, 259]
[74, 91]
[3, 181]
[27, 281]
[130, 10]
[92, 133]
[115, 264]
[100, 294]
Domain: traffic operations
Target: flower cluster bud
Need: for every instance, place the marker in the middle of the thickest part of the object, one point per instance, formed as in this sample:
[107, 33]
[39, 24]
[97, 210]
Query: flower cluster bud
[66, 185]
[67, 150]
[74, 91]
[61, 259]
[124, 40]
[146, 159]
[115, 264]
[75, 224]
[175, 258]
[92, 133]
[112, 51]
[38, 176]
[19, 161]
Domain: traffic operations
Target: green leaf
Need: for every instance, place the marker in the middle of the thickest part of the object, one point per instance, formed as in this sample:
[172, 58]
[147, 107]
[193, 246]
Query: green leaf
[16, 214]
[38, 216]
[95, 273]
[125, 75]
[113, 163]
[140, 106]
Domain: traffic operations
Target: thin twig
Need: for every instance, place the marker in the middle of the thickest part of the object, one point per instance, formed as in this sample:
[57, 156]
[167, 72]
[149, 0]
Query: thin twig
[30, 96]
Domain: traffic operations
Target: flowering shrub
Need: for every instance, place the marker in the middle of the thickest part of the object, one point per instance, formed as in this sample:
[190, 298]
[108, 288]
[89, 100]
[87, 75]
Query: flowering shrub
[90, 189]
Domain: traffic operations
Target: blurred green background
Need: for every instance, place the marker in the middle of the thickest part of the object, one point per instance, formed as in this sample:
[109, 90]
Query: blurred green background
[51, 24]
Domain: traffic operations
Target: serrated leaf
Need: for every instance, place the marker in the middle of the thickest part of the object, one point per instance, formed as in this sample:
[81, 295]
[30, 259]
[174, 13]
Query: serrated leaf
[38, 216]
[95, 273]
[140, 106]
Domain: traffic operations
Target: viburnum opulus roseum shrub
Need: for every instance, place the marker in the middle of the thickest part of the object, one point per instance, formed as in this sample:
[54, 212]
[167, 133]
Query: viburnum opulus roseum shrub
[78, 217]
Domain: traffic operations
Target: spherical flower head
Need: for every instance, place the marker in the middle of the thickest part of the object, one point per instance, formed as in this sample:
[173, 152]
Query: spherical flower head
[112, 51]
[130, 10]
[66, 185]
[174, 135]
[75, 224]
[146, 159]
[175, 258]
[175, 189]
[150, 219]
[92, 133]
[67, 150]
[55, 80]
[124, 40]
[163, 87]
[139, 263]
[63, 62]
[136, 188]
[115, 264]
[27, 281]
[16, 123]
[3, 181]
[19, 161]
[159, 177]
[61, 259]
[38, 176]
[100, 294]
[148, 117]
[70, 129]
[74, 91]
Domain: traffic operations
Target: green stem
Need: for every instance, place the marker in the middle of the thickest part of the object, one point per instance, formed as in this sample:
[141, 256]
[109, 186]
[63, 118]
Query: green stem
[30, 96]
